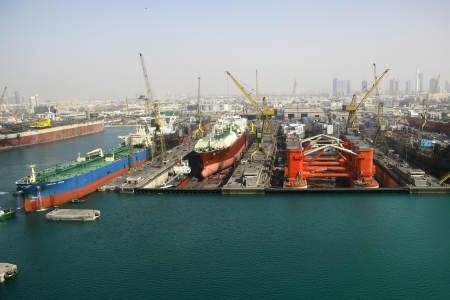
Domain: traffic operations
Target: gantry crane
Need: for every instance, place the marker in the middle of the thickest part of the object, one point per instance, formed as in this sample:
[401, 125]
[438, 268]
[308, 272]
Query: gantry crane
[158, 133]
[264, 113]
[353, 108]
[198, 133]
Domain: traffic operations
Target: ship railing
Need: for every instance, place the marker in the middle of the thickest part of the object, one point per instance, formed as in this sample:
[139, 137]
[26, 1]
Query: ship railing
[70, 165]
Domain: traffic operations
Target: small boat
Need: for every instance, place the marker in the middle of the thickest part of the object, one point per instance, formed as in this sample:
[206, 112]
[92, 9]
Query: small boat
[7, 214]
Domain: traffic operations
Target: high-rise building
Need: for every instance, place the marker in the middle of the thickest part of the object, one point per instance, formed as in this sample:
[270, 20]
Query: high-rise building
[17, 97]
[336, 87]
[419, 81]
[364, 86]
[393, 87]
[447, 86]
[348, 88]
[434, 85]
[408, 87]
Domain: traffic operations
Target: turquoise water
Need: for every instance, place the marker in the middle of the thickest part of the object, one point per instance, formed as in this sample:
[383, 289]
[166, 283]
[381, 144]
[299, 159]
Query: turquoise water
[328, 246]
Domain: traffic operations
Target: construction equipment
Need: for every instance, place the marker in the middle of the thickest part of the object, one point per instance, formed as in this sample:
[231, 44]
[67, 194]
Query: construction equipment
[41, 123]
[263, 113]
[158, 132]
[147, 85]
[353, 108]
[444, 178]
[294, 87]
[3, 95]
[375, 79]
[198, 133]
[380, 137]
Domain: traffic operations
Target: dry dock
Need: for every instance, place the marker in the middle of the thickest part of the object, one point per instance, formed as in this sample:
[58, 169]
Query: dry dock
[252, 174]
[82, 215]
[7, 271]
[150, 175]
[260, 172]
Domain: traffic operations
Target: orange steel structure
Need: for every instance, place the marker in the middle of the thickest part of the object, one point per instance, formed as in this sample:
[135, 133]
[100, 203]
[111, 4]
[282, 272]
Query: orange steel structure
[353, 159]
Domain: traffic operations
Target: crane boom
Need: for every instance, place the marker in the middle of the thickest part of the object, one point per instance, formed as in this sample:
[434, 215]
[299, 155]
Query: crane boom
[253, 102]
[375, 78]
[147, 85]
[352, 109]
[3, 94]
[374, 86]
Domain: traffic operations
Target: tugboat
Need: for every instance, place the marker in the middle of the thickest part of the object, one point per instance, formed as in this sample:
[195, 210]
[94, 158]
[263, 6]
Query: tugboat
[7, 214]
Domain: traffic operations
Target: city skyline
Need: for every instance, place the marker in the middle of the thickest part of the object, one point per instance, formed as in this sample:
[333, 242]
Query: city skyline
[88, 50]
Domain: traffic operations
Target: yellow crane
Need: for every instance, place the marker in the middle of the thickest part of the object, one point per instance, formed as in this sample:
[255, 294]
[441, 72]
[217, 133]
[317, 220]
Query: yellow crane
[147, 85]
[198, 133]
[158, 133]
[353, 108]
[266, 113]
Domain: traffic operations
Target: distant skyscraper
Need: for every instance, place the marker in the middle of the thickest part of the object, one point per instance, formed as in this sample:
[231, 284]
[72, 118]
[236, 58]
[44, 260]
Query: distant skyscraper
[348, 89]
[447, 86]
[408, 87]
[336, 87]
[419, 81]
[434, 85]
[17, 97]
[393, 87]
[364, 86]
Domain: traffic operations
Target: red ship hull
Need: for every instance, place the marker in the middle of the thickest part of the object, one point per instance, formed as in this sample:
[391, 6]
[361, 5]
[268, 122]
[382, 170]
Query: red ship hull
[204, 165]
[443, 127]
[49, 135]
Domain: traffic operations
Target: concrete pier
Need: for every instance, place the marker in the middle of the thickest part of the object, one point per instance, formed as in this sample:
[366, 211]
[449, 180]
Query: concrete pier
[82, 215]
[252, 174]
[7, 271]
[151, 174]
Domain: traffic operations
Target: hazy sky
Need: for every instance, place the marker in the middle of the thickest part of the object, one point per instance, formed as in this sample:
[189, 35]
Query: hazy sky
[89, 49]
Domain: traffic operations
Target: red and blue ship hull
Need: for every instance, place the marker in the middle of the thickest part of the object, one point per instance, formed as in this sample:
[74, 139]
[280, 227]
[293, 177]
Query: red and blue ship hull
[46, 194]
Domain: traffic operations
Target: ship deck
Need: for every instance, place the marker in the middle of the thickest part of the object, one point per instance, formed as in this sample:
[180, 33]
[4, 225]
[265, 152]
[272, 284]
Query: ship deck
[74, 168]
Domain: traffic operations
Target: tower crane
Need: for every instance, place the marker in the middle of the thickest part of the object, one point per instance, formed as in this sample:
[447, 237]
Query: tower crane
[294, 87]
[261, 113]
[158, 133]
[375, 79]
[198, 133]
[3, 95]
[147, 85]
[353, 108]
